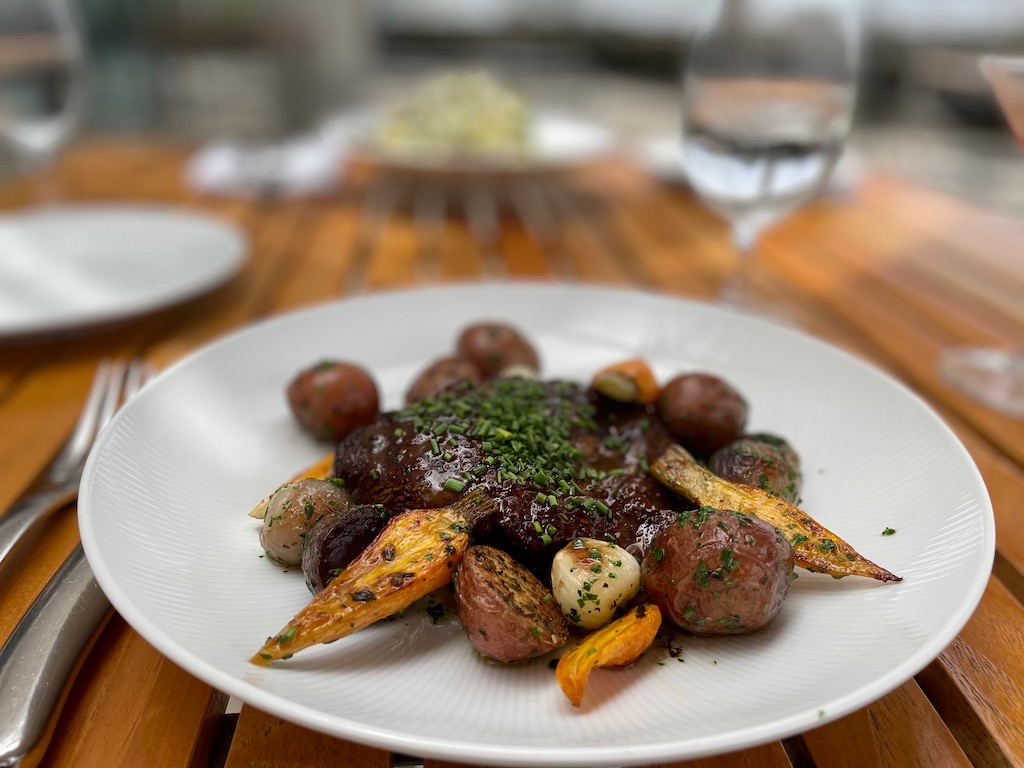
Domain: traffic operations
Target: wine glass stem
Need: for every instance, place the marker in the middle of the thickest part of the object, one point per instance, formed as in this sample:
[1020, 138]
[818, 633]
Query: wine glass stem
[40, 169]
[736, 287]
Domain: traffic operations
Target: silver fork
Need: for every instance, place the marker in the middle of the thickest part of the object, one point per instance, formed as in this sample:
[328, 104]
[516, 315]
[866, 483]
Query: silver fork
[39, 661]
[115, 381]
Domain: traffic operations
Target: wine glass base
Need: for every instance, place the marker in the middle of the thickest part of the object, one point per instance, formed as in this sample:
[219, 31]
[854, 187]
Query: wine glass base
[994, 377]
[738, 295]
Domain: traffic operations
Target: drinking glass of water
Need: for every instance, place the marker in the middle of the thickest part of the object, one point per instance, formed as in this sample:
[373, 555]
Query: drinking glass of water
[42, 82]
[768, 98]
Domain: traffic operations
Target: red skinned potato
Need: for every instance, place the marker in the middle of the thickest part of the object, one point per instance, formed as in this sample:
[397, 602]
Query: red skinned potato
[332, 398]
[716, 572]
[781, 444]
[759, 463]
[702, 411]
[440, 375]
[495, 347]
[506, 612]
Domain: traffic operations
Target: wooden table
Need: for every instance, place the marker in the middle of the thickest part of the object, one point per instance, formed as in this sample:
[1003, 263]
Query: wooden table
[888, 271]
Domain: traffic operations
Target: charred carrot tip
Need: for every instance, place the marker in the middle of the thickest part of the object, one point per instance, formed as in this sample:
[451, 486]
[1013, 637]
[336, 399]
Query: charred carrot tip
[616, 645]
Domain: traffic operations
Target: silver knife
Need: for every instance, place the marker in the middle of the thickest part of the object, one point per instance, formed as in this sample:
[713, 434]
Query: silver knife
[41, 658]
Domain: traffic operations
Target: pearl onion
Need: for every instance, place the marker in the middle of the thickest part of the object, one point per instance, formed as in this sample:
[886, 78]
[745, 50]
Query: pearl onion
[590, 579]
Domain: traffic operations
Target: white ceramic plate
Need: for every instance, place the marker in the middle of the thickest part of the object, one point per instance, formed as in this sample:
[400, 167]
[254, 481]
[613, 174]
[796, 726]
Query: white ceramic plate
[68, 269]
[163, 516]
[555, 142]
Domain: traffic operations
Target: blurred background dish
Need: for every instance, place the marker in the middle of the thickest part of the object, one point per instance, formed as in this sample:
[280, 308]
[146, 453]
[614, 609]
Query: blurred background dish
[458, 117]
[550, 141]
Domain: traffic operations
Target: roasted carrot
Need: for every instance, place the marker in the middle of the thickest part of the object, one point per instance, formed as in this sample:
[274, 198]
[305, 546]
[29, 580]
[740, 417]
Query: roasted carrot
[816, 548]
[614, 645]
[416, 553]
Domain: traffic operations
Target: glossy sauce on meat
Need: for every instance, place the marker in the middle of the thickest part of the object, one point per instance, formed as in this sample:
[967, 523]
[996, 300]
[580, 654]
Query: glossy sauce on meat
[560, 461]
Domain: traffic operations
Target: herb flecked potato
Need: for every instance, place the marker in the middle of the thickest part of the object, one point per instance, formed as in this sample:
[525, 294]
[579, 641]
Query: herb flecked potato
[702, 411]
[753, 461]
[495, 347]
[716, 572]
[506, 612]
[333, 397]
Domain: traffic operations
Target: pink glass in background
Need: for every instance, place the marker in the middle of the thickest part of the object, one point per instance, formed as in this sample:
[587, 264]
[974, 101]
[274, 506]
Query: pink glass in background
[995, 376]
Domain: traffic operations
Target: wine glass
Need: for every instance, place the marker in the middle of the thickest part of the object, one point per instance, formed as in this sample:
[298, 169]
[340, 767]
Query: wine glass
[768, 99]
[42, 83]
[994, 376]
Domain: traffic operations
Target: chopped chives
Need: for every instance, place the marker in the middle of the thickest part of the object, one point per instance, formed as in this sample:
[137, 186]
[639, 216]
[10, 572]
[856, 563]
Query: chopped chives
[454, 484]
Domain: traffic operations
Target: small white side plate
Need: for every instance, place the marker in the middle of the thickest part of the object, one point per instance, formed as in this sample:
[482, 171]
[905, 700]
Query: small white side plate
[74, 268]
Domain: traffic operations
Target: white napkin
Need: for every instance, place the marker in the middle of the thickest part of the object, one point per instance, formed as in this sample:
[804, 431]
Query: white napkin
[301, 166]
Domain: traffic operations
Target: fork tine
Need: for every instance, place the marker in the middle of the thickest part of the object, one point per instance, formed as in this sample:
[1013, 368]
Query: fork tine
[58, 484]
[138, 373]
[112, 395]
[85, 429]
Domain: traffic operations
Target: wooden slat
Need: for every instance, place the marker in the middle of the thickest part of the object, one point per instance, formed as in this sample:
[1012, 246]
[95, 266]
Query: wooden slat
[831, 271]
[768, 756]
[459, 257]
[318, 273]
[977, 683]
[130, 706]
[899, 730]
[264, 741]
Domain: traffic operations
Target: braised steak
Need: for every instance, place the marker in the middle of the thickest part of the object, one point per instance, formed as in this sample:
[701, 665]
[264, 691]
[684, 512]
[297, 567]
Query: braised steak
[559, 460]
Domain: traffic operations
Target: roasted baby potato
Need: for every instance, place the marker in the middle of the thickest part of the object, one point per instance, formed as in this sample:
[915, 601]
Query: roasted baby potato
[616, 645]
[336, 540]
[759, 463]
[506, 612]
[702, 411]
[716, 572]
[495, 347]
[332, 398]
[781, 444]
[415, 554]
[292, 510]
[441, 374]
[321, 470]
[816, 547]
